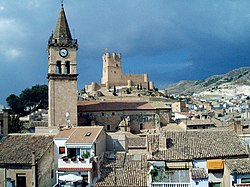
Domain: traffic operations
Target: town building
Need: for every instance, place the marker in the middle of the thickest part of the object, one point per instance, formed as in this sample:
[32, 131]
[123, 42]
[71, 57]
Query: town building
[127, 115]
[27, 160]
[179, 106]
[208, 149]
[196, 124]
[79, 151]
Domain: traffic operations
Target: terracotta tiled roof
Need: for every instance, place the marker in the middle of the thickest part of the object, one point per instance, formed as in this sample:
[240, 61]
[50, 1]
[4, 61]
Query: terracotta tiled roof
[80, 134]
[185, 113]
[17, 149]
[241, 165]
[136, 142]
[199, 173]
[209, 143]
[198, 122]
[91, 106]
[74, 169]
[127, 170]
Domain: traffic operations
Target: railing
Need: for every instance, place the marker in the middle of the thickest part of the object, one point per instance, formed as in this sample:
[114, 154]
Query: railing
[74, 163]
[163, 184]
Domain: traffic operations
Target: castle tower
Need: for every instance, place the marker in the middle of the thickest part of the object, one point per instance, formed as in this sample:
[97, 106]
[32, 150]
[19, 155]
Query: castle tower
[62, 75]
[112, 70]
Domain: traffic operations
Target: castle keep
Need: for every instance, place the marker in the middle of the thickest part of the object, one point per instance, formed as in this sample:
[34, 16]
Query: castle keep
[112, 74]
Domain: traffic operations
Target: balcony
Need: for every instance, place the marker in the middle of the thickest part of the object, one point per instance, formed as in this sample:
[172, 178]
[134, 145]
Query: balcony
[170, 178]
[163, 184]
[66, 162]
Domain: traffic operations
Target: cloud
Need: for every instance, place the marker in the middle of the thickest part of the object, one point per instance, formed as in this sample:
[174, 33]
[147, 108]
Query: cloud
[171, 40]
[13, 35]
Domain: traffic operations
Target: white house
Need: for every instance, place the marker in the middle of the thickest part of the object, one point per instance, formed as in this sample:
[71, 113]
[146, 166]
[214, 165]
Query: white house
[79, 151]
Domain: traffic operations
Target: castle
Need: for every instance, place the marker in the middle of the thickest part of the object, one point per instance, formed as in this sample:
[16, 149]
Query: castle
[112, 75]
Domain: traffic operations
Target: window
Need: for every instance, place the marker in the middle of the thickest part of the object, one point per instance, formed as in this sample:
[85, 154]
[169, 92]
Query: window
[214, 184]
[114, 72]
[68, 67]
[116, 65]
[196, 183]
[88, 134]
[52, 174]
[21, 180]
[108, 127]
[102, 114]
[245, 180]
[61, 150]
[58, 67]
[113, 113]
[245, 126]
[141, 126]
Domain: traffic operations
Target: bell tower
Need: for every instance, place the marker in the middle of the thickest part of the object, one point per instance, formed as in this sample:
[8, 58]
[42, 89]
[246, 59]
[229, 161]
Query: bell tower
[62, 75]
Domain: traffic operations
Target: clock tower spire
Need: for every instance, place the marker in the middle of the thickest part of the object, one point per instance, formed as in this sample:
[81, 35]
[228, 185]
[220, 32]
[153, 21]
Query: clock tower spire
[62, 74]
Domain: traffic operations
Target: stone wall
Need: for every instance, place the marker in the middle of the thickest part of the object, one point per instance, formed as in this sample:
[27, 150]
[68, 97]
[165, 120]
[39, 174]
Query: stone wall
[138, 119]
[12, 173]
[63, 99]
[46, 170]
[101, 143]
[117, 142]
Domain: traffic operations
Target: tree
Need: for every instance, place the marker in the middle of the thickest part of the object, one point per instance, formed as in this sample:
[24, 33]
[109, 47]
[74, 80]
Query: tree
[15, 104]
[29, 100]
[15, 126]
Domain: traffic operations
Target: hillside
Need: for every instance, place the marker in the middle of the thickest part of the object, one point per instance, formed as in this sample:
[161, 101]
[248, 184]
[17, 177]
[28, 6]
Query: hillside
[239, 77]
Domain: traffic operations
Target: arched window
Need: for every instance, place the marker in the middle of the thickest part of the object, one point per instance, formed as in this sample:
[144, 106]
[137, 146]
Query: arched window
[68, 67]
[58, 67]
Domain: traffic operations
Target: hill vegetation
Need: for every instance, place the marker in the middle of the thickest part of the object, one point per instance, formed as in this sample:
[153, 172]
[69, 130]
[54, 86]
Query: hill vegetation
[240, 76]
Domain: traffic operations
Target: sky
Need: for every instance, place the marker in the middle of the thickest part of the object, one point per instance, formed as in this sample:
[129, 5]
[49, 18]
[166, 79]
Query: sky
[171, 40]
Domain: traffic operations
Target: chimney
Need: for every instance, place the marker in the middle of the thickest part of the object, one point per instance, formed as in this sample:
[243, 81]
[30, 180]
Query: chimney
[5, 121]
[34, 169]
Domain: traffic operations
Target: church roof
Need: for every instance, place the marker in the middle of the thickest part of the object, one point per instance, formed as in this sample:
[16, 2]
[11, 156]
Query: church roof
[62, 30]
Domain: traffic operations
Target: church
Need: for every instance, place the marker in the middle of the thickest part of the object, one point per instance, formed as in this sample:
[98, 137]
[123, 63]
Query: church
[62, 74]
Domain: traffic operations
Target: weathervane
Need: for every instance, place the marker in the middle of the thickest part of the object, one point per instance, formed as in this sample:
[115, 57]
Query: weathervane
[62, 3]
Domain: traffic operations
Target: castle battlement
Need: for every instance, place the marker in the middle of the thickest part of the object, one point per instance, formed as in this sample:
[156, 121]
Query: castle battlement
[112, 74]
[112, 56]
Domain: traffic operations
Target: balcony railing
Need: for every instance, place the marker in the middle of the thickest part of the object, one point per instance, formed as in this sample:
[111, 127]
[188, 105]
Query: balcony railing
[75, 163]
[163, 184]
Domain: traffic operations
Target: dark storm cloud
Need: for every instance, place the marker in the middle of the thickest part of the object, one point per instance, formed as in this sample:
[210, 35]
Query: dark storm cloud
[171, 40]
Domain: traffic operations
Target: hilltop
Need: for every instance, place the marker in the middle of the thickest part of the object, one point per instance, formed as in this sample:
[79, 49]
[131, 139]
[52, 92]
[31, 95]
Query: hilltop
[230, 81]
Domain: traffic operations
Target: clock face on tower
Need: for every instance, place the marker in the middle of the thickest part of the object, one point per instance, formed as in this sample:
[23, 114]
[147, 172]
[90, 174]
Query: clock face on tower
[63, 52]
